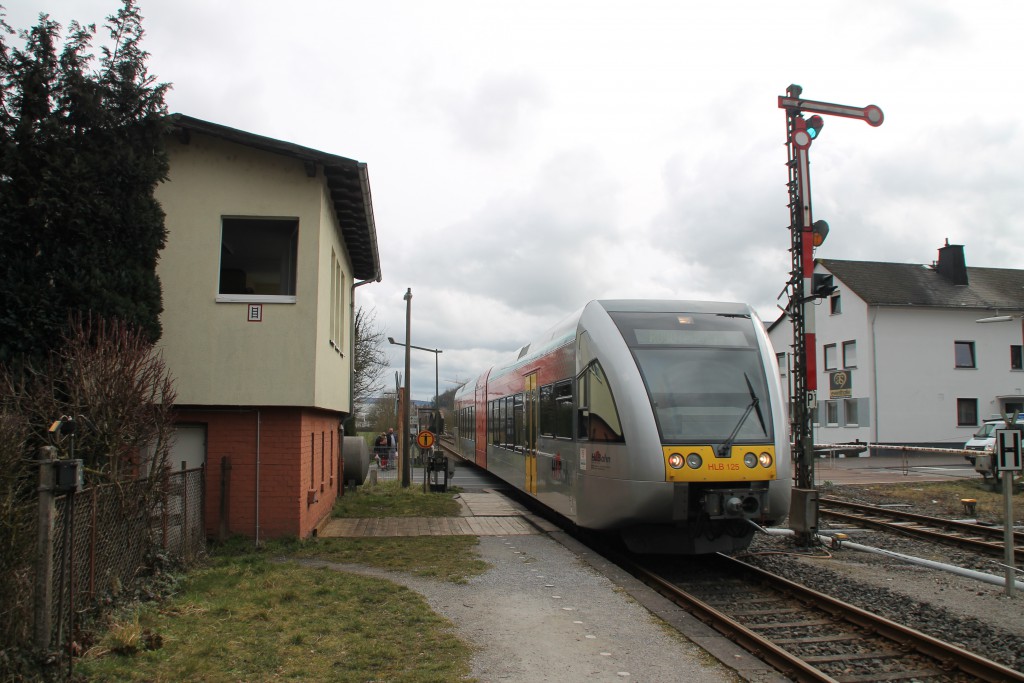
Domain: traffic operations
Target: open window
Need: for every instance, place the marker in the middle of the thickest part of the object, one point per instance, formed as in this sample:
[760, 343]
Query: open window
[258, 259]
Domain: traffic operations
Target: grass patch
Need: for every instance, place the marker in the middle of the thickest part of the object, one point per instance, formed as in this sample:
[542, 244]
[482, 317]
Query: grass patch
[245, 617]
[389, 499]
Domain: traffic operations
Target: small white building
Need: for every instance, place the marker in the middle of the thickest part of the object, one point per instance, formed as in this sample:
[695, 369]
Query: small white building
[266, 243]
[913, 354]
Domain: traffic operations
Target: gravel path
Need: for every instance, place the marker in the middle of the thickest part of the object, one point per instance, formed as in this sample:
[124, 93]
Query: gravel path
[541, 614]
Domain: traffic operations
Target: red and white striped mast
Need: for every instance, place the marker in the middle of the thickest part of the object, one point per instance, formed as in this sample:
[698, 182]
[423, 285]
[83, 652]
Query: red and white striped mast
[806, 234]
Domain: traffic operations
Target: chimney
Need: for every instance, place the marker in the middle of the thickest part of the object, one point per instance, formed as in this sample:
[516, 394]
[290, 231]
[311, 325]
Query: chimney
[952, 264]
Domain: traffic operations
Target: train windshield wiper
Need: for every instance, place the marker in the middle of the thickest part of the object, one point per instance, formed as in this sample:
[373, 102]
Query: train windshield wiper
[755, 404]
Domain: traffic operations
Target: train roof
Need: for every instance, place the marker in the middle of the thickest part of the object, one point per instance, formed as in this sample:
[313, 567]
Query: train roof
[564, 331]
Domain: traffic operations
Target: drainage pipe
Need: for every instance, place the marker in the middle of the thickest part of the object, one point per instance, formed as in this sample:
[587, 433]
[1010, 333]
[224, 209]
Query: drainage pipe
[257, 477]
[953, 569]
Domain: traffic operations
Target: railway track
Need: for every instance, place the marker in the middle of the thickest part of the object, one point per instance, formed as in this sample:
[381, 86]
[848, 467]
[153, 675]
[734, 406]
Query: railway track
[809, 636]
[976, 537]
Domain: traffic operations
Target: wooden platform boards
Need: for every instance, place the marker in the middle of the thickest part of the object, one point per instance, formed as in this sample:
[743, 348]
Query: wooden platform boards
[483, 514]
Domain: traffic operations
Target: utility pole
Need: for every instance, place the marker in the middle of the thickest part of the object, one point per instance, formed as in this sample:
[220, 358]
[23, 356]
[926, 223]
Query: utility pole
[406, 445]
[805, 287]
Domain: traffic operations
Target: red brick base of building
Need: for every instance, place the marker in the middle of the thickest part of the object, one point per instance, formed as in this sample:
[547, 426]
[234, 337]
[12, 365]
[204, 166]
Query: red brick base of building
[270, 471]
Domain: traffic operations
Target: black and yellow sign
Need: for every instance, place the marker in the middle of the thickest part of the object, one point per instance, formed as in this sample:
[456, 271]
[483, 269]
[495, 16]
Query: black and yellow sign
[425, 439]
[840, 384]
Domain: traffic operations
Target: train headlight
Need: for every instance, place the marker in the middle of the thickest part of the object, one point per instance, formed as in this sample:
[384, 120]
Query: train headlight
[765, 459]
[676, 461]
[750, 460]
[694, 461]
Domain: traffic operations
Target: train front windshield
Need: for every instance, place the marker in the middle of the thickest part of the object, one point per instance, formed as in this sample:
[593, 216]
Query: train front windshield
[703, 373]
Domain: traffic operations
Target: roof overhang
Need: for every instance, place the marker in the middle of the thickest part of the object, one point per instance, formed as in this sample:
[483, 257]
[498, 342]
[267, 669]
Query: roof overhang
[348, 184]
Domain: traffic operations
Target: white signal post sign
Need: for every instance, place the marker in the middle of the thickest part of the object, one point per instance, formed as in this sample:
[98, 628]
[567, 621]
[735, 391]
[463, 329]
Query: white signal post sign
[1008, 460]
[1008, 450]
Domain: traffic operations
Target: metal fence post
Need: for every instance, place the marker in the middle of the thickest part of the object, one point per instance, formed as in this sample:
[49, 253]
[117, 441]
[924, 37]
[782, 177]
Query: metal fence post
[184, 512]
[43, 599]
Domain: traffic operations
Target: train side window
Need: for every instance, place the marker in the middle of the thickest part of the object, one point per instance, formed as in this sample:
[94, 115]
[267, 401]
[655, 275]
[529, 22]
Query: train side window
[518, 441]
[563, 409]
[495, 421]
[598, 419]
[547, 410]
[556, 410]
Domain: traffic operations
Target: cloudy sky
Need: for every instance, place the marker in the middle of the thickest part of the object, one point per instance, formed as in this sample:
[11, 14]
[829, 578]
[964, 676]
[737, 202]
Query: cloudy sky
[526, 157]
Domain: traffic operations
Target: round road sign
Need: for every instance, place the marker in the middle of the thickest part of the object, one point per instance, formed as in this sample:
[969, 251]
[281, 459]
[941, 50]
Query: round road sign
[425, 439]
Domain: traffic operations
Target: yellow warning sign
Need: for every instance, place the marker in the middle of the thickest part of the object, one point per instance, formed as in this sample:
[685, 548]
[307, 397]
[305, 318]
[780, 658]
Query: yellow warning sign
[425, 439]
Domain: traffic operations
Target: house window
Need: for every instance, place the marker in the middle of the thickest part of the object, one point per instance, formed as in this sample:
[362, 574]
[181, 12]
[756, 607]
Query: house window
[964, 354]
[780, 359]
[850, 354]
[257, 259]
[1016, 359]
[830, 357]
[832, 413]
[835, 304]
[967, 412]
[850, 412]
[337, 302]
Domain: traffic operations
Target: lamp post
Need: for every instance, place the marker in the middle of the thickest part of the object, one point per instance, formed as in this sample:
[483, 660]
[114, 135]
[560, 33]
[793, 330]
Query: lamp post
[433, 351]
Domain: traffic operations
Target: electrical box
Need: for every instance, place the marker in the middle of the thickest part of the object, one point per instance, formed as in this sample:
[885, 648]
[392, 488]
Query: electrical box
[68, 476]
[803, 511]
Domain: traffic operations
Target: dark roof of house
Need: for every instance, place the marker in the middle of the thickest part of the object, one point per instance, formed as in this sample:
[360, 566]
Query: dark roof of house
[347, 181]
[911, 284]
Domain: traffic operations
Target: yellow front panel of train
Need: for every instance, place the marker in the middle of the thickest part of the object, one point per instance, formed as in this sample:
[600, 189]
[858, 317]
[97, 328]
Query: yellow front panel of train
[701, 463]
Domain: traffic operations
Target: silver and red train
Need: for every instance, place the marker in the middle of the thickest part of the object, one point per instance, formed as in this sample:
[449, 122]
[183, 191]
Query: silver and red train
[661, 420]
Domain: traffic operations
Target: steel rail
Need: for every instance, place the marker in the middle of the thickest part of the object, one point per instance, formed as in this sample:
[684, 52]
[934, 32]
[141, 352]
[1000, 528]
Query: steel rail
[946, 655]
[864, 512]
[787, 663]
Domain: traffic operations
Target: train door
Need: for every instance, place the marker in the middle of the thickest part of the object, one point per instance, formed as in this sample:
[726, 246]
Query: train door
[531, 409]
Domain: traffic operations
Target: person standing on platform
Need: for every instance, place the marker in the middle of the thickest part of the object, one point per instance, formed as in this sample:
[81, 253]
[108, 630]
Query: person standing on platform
[380, 450]
[392, 446]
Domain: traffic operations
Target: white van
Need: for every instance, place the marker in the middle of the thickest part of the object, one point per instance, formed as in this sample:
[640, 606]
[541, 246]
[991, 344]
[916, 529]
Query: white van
[984, 440]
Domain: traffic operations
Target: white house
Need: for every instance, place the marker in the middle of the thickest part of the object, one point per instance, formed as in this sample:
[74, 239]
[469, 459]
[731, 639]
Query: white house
[913, 354]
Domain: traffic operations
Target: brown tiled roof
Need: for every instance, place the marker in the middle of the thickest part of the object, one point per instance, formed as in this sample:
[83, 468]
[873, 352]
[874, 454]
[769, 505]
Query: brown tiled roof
[347, 181]
[911, 284]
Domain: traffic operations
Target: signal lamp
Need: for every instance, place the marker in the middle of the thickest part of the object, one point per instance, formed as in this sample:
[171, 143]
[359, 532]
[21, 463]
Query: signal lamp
[750, 460]
[694, 461]
[675, 461]
[822, 285]
[765, 459]
[814, 126]
[819, 231]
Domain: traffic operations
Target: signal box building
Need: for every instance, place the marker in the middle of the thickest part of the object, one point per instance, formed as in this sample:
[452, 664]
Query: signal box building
[913, 354]
[266, 243]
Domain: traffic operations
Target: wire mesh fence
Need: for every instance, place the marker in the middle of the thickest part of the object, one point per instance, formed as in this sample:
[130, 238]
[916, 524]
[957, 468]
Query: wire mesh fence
[101, 540]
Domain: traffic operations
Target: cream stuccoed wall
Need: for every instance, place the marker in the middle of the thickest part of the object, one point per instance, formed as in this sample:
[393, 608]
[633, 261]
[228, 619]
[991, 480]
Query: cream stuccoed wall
[217, 356]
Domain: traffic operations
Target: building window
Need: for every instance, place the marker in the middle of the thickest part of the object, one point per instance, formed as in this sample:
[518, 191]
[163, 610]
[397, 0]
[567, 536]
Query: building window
[830, 357]
[850, 417]
[964, 354]
[337, 302]
[257, 259]
[780, 359]
[967, 412]
[832, 413]
[850, 354]
[1016, 359]
[836, 305]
